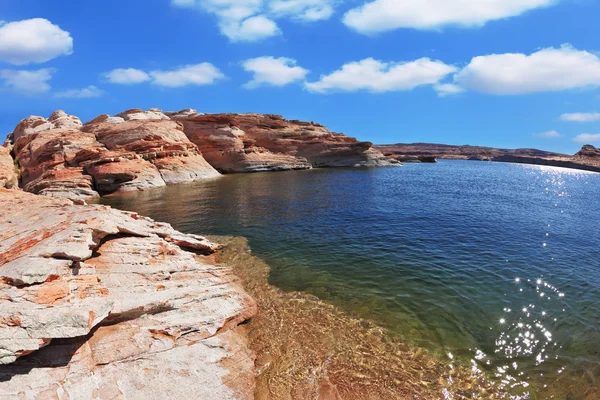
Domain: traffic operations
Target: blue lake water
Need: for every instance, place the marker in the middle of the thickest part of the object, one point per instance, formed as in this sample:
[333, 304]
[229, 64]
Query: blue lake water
[488, 264]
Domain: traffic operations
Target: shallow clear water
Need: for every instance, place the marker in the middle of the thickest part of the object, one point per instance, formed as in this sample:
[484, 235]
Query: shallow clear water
[497, 265]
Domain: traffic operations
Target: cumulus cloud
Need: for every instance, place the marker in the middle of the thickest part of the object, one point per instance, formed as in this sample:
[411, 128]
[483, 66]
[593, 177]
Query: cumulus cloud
[547, 135]
[250, 29]
[253, 20]
[85, 93]
[378, 76]
[587, 138]
[304, 10]
[199, 74]
[447, 89]
[127, 76]
[33, 41]
[196, 74]
[581, 117]
[550, 69]
[27, 82]
[385, 15]
[273, 71]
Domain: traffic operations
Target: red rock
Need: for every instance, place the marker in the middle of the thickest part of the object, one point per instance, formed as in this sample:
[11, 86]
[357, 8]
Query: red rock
[106, 155]
[88, 275]
[8, 172]
[239, 142]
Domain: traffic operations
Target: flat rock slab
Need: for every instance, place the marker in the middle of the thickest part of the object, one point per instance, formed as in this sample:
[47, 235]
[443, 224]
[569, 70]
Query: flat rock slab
[97, 303]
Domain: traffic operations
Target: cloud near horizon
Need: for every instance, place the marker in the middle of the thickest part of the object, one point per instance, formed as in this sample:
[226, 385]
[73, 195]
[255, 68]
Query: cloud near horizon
[379, 77]
[271, 71]
[587, 138]
[27, 83]
[195, 74]
[34, 40]
[386, 15]
[547, 135]
[254, 20]
[84, 93]
[581, 117]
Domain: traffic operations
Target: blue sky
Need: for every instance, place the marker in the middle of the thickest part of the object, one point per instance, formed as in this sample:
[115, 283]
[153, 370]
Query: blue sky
[503, 73]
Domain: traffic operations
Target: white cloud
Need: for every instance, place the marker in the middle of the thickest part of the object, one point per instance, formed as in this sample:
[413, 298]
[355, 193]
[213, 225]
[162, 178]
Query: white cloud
[547, 135]
[547, 70]
[447, 89]
[199, 74]
[253, 20]
[127, 76]
[33, 41]
[273, 71]
[250, 29]
[581, 117]
[377, 76]
[385, 15]
[587, 138]
[85, 93]
[27, 82]
[304, 10]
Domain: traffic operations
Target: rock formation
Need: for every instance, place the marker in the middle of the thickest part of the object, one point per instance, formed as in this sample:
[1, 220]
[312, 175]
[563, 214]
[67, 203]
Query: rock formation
[114, 305]
[134, 151]
[589, 152]
[8, 172]
[138, 150]
[265, 142]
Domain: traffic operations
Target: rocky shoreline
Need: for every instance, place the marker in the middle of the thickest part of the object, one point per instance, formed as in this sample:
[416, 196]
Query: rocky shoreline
[100, 303]
[60, 156]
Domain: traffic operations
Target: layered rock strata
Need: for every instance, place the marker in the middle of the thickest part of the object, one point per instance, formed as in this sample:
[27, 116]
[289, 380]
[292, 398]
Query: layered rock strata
[137, 150]
[134, 151]
[114, 305]
[265, 142]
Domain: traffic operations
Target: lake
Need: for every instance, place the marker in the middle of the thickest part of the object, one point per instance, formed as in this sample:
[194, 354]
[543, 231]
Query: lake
[488, 264]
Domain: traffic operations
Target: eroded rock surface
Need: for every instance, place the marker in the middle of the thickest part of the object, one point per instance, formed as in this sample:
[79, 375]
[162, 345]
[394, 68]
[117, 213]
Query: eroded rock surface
[136, 150]
[265, 142]
[8, 172]
[114, 305]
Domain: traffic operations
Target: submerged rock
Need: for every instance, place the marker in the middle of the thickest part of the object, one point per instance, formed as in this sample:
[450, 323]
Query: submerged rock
[113, 304]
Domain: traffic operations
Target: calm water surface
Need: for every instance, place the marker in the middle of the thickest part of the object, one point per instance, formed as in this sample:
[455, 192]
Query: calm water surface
[497, 265]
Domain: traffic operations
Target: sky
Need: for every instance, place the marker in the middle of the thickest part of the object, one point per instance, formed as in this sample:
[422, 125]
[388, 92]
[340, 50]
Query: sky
[501, 73]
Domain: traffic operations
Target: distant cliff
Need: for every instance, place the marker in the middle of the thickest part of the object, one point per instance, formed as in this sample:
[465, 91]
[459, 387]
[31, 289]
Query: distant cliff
[587, 159]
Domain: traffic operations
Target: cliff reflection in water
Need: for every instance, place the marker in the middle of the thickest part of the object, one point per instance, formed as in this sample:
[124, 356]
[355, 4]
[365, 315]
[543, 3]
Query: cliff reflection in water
[430, 252]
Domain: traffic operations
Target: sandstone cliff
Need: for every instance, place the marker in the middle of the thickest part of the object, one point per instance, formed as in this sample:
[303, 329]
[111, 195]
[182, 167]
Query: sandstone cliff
[114, 305]
[137, 150]
[265, 142]
[61, 157]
